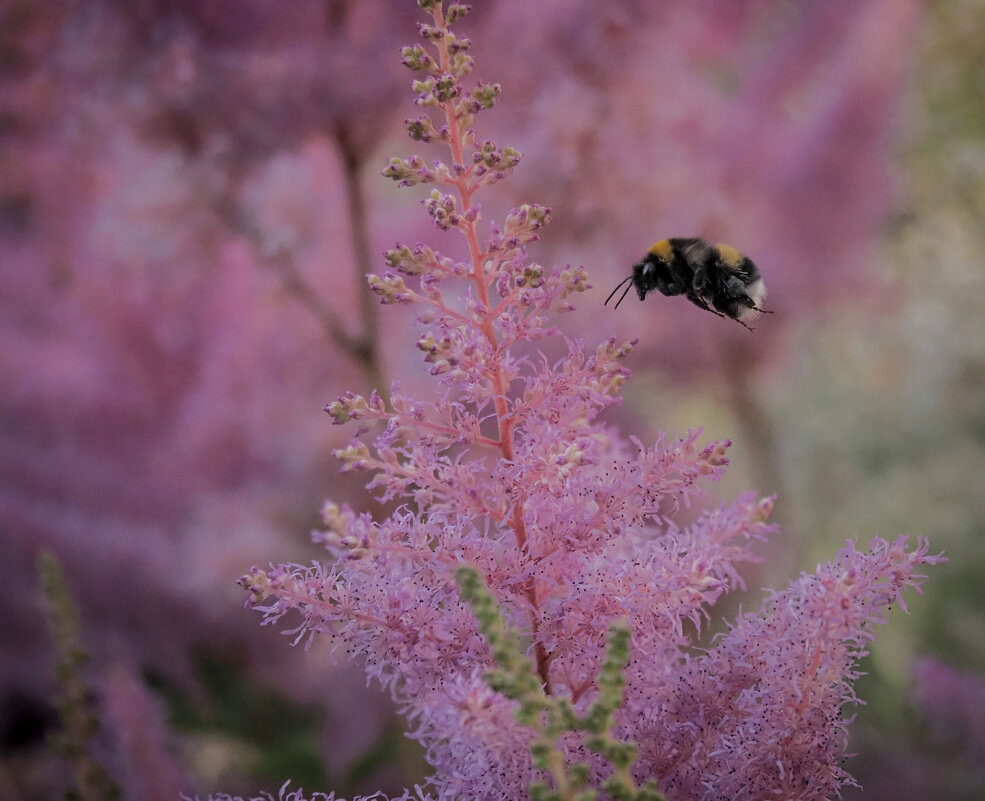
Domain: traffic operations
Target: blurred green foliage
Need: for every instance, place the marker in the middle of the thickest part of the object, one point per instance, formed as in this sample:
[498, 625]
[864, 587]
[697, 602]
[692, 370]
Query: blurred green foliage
[269, 736]
[249, 737]
[77, 737]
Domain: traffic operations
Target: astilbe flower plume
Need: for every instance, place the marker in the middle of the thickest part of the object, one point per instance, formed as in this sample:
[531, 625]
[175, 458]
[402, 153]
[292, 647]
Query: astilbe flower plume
[508, 470]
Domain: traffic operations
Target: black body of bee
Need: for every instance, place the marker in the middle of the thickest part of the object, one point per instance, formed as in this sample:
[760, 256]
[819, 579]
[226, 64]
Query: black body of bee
[716, 278]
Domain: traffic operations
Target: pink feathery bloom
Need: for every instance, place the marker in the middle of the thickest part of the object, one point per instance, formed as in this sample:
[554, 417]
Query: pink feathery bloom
[508, 468]
[760, 714]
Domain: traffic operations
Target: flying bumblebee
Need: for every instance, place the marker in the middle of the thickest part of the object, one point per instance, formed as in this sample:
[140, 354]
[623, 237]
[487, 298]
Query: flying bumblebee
[716, 278]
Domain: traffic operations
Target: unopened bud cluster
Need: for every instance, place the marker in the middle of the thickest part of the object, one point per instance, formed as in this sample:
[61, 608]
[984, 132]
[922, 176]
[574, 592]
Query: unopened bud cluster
[493, 163]
[440, 353]
[390, 288]
[441, 91]
[351, 406]
[421, 259]
[523, 223]
[354, 457]
[713, 457]
[441, 207]
[607, 364]
[409, 171]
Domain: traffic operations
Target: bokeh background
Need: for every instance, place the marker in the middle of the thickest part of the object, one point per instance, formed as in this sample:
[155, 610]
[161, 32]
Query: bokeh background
[189, 198]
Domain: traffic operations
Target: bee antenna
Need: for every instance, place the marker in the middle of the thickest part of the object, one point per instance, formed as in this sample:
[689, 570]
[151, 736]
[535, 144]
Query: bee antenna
[622, 297]
[613, 292]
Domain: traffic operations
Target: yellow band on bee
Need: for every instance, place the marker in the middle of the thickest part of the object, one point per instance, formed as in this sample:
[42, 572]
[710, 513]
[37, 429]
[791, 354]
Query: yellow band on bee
[730, 256]
[662, 249]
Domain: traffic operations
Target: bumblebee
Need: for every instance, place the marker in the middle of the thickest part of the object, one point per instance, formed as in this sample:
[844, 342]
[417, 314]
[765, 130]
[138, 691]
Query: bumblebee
[716, 278]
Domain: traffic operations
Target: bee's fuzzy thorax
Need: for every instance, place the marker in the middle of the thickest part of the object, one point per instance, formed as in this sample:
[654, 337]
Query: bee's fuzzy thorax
[662, 249]
[730, 256]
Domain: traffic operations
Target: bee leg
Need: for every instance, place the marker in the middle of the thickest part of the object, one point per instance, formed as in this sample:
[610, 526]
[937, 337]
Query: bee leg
[701, 303]
[668, 288]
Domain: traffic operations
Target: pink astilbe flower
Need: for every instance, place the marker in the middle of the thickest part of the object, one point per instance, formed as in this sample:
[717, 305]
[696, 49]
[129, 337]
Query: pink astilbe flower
[510, 471]
[760, 714]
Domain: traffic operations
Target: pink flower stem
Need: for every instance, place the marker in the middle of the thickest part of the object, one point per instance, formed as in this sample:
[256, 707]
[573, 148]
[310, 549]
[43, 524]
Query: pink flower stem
[466, 188]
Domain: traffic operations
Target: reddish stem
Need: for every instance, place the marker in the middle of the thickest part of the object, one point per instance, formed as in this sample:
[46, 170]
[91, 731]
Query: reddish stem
[466, 189]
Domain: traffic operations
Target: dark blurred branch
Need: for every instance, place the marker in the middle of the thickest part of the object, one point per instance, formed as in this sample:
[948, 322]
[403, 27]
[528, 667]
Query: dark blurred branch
[359, 225]
[295, 283]
[362, 348]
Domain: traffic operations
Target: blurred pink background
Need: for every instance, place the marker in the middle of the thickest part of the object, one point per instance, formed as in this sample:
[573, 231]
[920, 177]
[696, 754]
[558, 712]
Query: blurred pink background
[190, 198]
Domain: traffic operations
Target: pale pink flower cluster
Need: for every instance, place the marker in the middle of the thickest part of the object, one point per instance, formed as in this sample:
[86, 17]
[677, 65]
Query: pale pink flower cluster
[508, 468]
